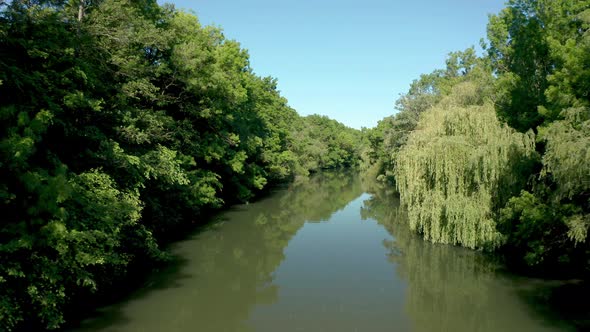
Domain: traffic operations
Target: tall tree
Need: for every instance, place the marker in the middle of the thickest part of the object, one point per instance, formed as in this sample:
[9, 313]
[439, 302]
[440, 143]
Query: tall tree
[520, 56]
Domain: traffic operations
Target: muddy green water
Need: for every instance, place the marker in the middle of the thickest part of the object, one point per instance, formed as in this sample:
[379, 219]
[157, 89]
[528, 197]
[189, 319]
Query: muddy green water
[330, 254]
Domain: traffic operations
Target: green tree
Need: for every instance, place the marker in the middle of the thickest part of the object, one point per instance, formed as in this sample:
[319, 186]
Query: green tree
[123, 123]
[548, 226]
[458, 167]
[520, 56]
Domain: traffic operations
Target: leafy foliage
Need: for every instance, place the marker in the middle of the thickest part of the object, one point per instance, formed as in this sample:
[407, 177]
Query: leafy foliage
[122, 123]
[383, 142]
[486, 186]
[458, 166]
[325, 143]
[548, 226]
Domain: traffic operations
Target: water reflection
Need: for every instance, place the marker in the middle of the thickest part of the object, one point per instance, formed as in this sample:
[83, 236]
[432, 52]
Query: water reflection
[450, 288]
[324, 255]
[225, 271]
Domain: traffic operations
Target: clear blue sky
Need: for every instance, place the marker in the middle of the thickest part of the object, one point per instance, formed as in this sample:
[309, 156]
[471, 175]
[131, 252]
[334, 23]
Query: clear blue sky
[348, 60]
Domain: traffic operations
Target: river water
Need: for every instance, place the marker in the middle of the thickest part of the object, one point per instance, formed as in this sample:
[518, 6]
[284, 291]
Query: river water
[332, 253]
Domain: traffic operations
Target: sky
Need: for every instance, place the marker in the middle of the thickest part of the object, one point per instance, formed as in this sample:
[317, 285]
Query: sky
[349, 60]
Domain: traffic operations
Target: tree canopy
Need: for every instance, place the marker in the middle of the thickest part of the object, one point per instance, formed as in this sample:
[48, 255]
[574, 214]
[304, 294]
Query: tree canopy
[464, 176]
[123, 123]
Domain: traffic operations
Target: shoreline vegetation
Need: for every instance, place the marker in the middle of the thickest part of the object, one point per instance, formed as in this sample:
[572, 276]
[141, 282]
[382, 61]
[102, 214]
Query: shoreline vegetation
[124, 123]
[493, 151]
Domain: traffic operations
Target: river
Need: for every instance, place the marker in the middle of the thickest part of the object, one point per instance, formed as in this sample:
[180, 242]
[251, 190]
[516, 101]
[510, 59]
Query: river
[331, 253]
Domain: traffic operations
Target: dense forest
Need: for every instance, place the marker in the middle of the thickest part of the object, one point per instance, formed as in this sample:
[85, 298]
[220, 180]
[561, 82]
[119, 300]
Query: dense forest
[122, 124]
[125, 123]
[493, 151]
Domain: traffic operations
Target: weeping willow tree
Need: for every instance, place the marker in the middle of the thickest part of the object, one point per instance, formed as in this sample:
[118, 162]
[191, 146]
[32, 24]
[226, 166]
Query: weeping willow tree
[458, 168]
[567, 161]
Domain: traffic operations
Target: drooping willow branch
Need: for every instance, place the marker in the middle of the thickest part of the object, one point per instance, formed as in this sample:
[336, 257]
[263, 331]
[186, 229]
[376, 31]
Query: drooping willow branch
[457, 167]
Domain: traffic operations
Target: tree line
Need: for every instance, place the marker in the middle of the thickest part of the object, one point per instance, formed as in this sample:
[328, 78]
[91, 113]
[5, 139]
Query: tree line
[124, 122]
[493, 151]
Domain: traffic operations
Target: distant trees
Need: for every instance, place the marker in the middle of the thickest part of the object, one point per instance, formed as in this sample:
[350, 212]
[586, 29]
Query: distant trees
[122, 122]
[325, 143]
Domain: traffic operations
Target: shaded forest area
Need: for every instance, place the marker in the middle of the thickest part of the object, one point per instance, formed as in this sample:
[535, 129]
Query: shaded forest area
[123, 124]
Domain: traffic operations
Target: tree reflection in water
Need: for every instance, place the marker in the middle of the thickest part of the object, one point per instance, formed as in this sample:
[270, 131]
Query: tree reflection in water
[226, 270]
[338, 275]
[450, 288]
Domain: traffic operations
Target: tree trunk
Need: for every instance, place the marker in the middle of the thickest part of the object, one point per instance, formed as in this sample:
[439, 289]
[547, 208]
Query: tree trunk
[81, 11]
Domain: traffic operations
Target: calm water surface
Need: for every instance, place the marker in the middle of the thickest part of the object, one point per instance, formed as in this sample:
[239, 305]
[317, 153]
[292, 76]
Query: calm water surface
[329, 254]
